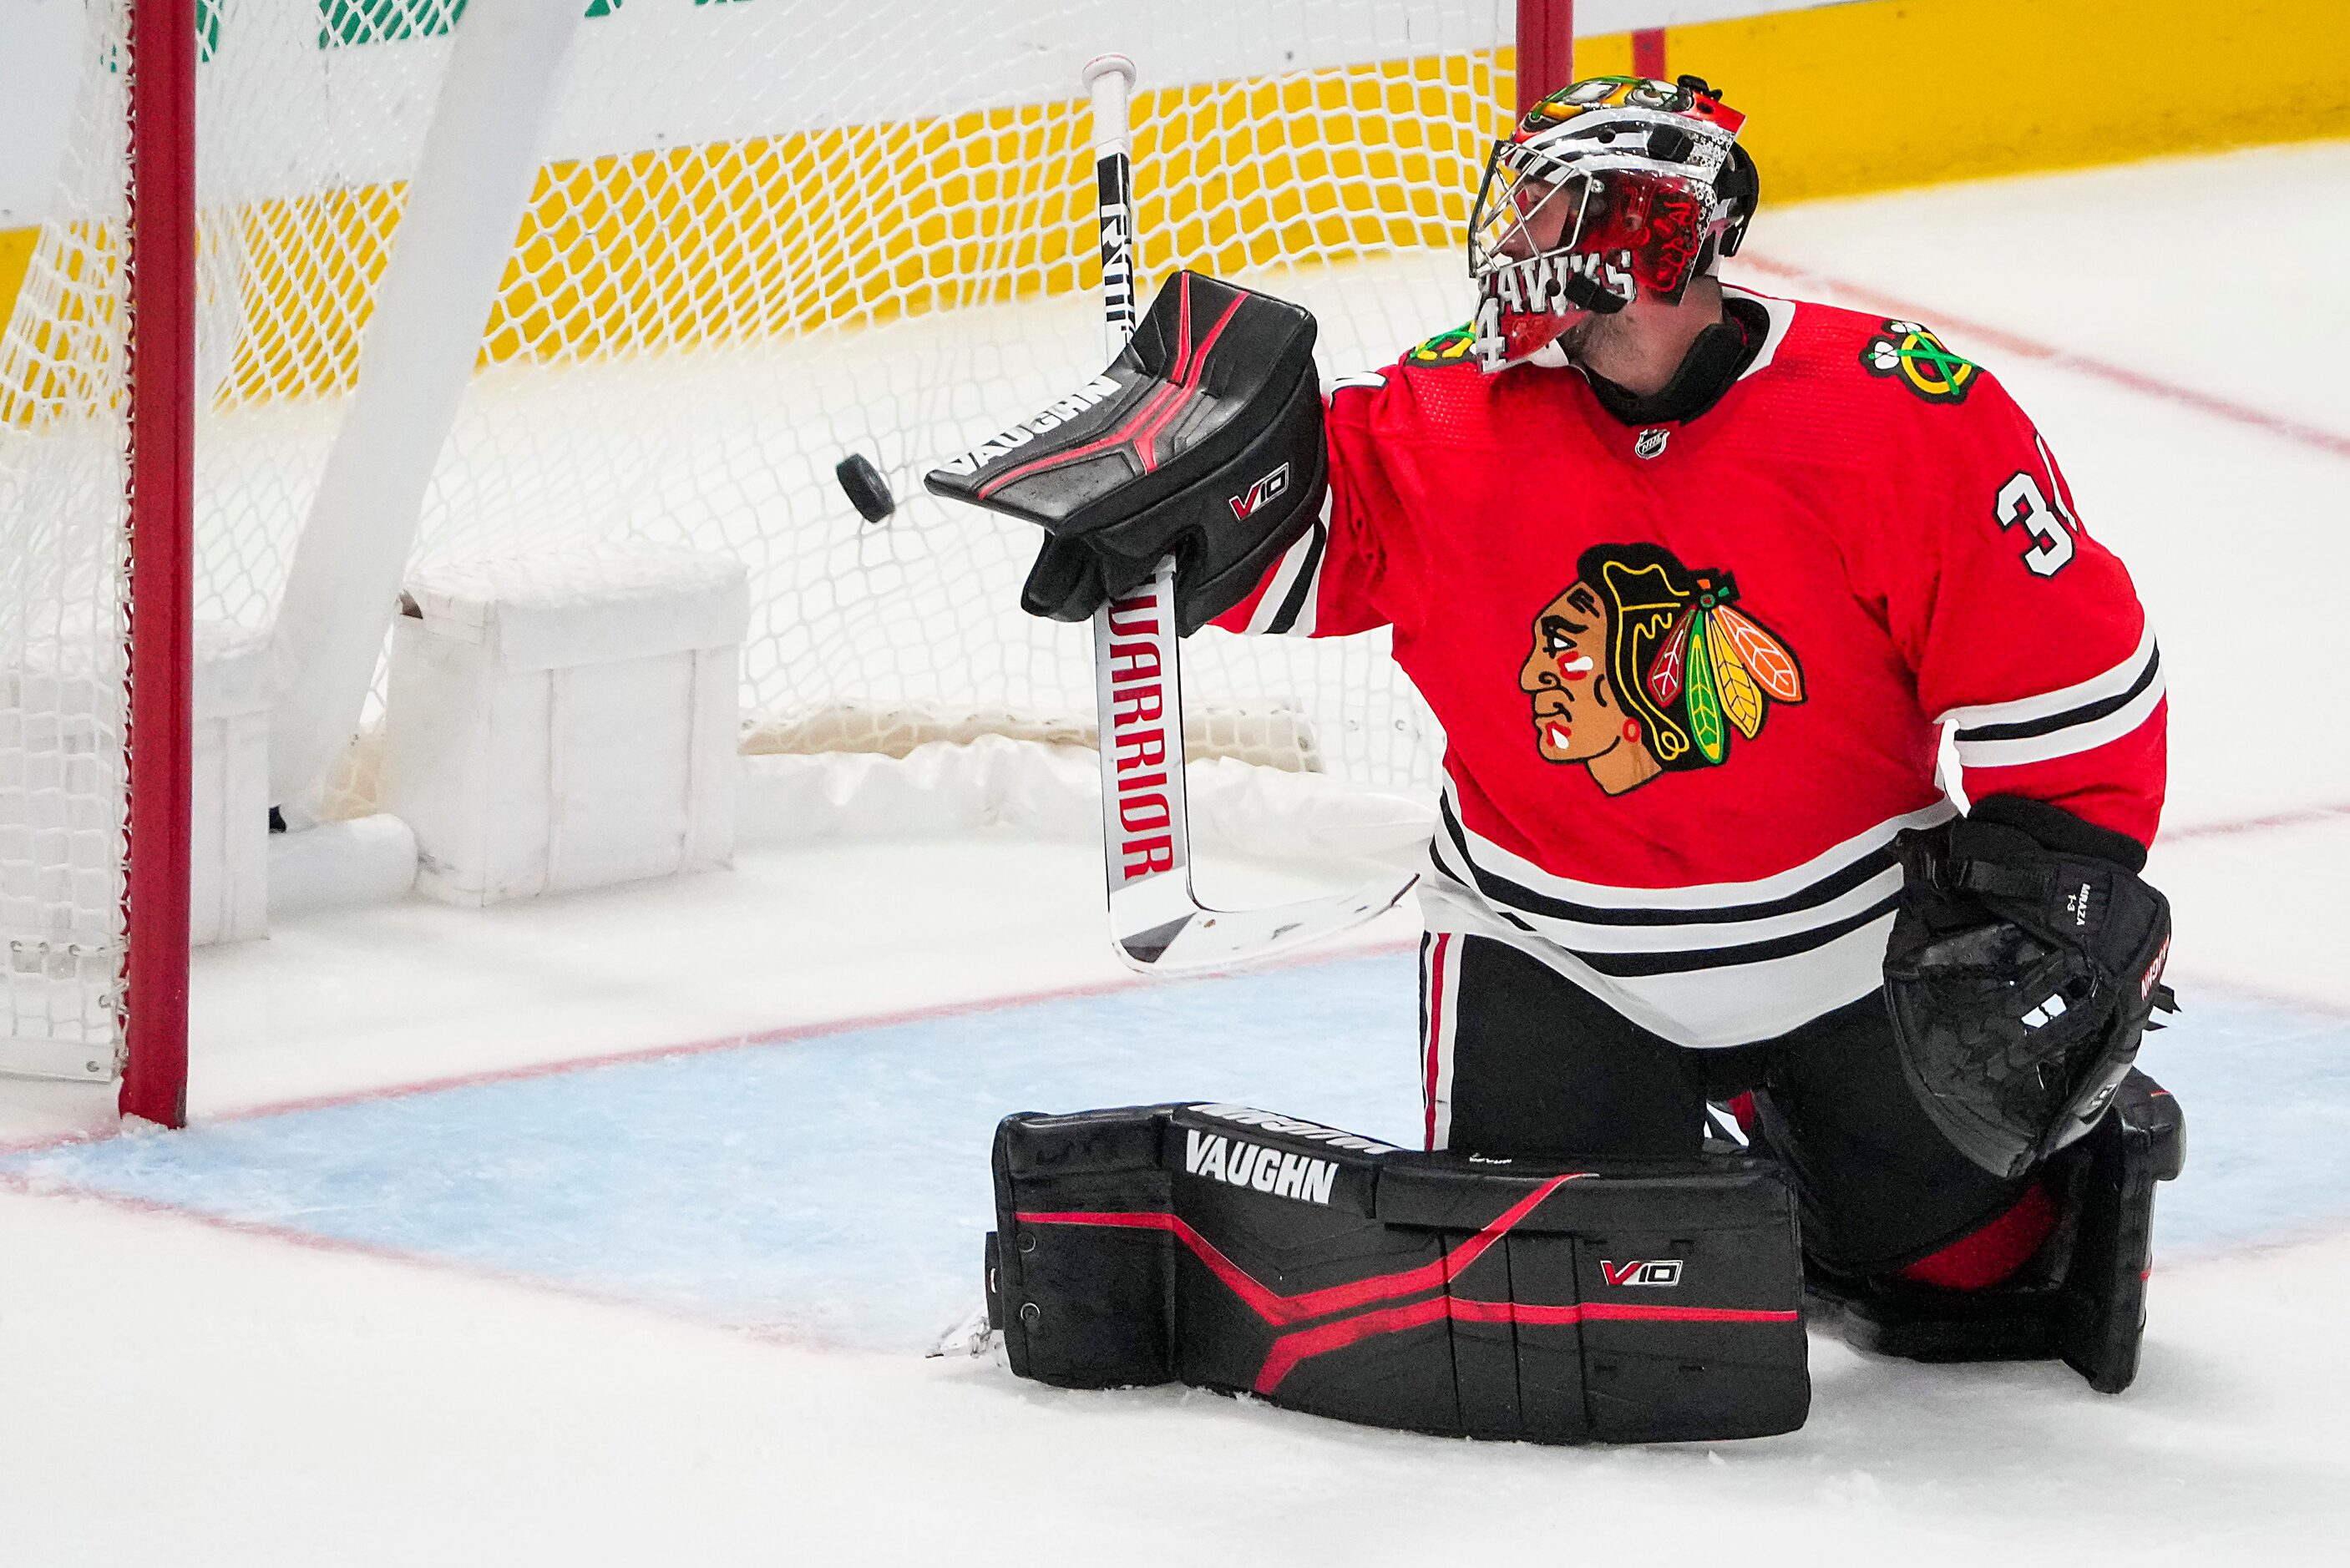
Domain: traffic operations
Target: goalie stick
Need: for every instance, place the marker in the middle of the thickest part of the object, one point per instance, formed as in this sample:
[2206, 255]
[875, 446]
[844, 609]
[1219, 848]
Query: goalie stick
[1157, 922]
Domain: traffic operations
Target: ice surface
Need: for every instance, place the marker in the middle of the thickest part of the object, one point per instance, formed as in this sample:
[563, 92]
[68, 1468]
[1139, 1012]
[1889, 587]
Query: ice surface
[833, 1186]
[183, 1392]
[833, 1189]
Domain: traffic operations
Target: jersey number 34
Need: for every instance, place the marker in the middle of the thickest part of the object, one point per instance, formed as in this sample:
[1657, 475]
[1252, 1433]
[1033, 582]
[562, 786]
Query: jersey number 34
[2020, 500]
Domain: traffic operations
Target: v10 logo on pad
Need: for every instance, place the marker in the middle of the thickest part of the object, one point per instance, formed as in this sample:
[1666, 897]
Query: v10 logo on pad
[1666, 1272]
[1262, 491]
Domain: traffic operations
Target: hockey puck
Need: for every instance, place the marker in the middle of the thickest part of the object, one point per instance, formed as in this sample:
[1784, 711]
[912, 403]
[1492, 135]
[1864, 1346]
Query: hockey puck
[865, 489]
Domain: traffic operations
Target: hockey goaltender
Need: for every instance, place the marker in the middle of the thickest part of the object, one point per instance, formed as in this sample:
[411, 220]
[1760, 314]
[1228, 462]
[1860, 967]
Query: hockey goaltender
[1729, 1017]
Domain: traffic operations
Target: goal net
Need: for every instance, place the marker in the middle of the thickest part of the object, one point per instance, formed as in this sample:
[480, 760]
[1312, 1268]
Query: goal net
[758, 236]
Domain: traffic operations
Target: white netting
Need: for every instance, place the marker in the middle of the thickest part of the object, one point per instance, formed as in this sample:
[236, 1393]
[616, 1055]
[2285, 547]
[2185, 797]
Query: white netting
[767, 235]
[774, 234]
[64, 488]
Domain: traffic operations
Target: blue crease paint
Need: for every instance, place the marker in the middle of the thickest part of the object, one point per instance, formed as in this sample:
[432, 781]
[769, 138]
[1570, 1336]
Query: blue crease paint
[836, 1186]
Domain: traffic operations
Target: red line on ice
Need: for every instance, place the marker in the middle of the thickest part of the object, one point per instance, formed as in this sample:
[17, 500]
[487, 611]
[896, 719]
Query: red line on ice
[2304, 816]
[779, 1035]
[2008, 342]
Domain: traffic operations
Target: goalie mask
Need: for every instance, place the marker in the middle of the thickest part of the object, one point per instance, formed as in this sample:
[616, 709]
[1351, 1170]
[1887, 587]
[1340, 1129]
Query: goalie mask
[1607, 187]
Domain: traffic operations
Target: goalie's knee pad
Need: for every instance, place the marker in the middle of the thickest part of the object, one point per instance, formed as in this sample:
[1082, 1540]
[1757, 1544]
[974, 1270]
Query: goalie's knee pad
[2083, 1300]
[1232, 1248]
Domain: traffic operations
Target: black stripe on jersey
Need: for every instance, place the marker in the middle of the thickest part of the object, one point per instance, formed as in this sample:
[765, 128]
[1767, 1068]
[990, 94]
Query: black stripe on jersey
[1630, 966]
[1501, 890]
[1626, 965]
[1445, 869]
[2087, 713]
[1300, 591]
[1436, 857]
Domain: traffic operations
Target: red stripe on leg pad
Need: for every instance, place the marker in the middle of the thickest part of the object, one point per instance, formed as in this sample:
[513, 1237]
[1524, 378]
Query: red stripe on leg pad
[1278, 1309]
[1380, 1293]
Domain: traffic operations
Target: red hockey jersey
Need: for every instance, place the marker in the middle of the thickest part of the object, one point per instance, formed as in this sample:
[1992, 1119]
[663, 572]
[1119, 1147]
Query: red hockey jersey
[1692, 676]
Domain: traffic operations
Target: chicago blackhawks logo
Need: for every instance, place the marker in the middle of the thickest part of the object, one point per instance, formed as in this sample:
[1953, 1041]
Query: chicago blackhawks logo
[1918, 360]
[1641, 665]
[1448, 348]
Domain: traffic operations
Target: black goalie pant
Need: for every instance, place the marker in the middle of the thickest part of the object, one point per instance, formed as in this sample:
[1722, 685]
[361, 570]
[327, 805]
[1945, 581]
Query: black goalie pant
[1517, 1061]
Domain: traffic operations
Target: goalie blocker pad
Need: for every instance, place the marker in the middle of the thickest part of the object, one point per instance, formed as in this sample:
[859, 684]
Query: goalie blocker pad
[1203, 439]
[1235, 1250]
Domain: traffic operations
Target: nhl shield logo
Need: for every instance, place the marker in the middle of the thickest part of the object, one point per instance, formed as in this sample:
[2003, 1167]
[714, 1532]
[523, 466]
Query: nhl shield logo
[1651, 442]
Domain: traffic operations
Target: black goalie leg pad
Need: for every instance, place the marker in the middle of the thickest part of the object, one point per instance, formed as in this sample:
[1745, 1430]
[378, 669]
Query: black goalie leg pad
[2082, 1301]
[2101, 1305]
[1231, 1249]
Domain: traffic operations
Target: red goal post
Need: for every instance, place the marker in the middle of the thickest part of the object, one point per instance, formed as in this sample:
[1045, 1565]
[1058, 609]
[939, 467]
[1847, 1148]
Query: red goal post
[160, 261]
[1545, 49]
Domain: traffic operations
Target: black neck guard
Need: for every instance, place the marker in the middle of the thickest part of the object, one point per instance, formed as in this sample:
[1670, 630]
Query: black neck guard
[1712, 367]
